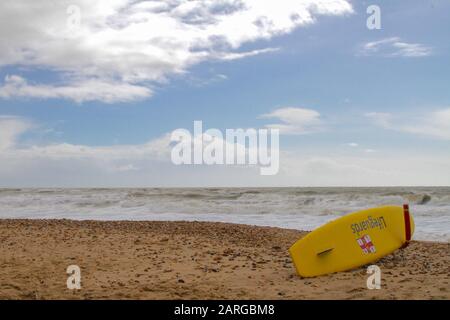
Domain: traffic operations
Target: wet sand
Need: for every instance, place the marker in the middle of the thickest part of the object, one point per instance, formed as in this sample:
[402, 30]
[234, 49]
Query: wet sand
[194, 260]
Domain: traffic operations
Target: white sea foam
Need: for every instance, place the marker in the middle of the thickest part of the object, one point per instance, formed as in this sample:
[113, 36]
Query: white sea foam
[296, 208]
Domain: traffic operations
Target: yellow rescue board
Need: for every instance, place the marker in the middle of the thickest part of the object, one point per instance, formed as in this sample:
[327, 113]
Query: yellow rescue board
[353, 240]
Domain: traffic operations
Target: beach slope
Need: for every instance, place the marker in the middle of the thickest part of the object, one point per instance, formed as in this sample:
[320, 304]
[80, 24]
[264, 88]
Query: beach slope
[194, 260]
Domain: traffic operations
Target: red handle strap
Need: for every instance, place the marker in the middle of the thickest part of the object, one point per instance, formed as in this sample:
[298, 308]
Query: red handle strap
[407, 225]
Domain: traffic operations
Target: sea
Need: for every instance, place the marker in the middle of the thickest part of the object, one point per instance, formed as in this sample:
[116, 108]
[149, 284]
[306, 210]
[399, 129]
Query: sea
[293, 208]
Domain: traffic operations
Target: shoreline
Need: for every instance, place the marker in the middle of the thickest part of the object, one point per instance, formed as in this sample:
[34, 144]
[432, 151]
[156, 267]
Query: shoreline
[194, 260]
[89, 220]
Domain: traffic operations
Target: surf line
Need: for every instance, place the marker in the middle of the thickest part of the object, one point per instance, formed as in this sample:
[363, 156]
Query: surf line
[369, 223]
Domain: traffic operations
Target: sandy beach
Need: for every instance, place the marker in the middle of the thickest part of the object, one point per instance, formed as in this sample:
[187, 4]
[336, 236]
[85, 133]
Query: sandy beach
[194, 260]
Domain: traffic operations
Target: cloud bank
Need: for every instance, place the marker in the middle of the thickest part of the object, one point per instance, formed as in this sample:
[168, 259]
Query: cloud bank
[435, 124]
[117, 50]
[73, 165]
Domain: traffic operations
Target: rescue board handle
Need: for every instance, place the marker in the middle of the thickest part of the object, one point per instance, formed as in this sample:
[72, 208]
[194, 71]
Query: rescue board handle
[407, 225]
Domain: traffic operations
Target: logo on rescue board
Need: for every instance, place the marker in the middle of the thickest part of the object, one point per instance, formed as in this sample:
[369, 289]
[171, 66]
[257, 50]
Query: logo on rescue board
[366, 244]
[369, 223]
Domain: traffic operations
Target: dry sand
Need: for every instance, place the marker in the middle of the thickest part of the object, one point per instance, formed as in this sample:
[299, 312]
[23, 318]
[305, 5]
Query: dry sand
[193, 260]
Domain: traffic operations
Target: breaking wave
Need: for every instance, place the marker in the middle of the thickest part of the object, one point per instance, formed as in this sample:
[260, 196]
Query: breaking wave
[297, 208]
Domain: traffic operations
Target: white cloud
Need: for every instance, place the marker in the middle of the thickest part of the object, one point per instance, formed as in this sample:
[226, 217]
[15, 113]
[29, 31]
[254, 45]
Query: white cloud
[206, 81]
[149, 164]
[295, 120]
[79, 91]
[356, 145]
[157, 149]
[395, 47]
[240, 55]
[66, 164]
[379, 169]
[123, 45]
[435, 124]
[11, 128]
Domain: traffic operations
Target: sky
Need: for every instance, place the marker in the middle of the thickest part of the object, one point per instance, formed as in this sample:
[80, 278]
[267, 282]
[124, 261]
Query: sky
[91, 90]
